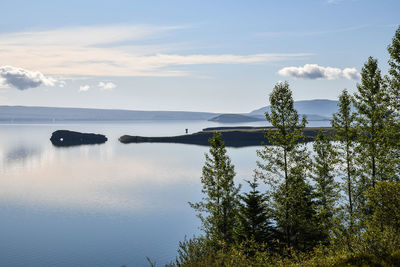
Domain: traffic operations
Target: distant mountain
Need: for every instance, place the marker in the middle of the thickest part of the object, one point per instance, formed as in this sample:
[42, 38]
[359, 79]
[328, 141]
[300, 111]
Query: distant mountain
[320, 107]
[235, 118]
[23, 113]
[315, 110]
[310, 117]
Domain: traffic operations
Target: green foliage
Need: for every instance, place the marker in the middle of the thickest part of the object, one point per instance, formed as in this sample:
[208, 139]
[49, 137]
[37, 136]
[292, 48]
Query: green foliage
[374, 115]
[382, 234]
[193, 252]
[326, 188]
[394, 70]
[254, 217]
[245, 254]
[393, 83]
[255, 255]
[294, 223]
[219, 206]
[284, 168]
[343, 125]
[284, 118]
[385, 201]
[374, 119]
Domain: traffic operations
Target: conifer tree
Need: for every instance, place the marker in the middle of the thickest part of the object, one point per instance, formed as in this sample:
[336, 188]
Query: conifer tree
[394, 71]
[343, 126]
[284, 168]
[254, 216]
[219, 206]
[326, 188]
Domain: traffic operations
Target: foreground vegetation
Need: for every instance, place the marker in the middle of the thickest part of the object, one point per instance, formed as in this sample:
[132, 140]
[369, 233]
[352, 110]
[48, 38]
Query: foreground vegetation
[307, 217]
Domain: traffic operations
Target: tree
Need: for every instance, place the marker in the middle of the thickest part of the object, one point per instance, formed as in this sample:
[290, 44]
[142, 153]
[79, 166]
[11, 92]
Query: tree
[284, 168]
[382, 233]
[343, 126]
[326, 188]
[373, 118]
[218, 208]
[393, 82]
[374, 133]
[394, 71]
[254, 216]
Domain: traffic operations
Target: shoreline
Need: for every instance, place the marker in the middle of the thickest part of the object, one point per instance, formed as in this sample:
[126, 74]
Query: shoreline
[232, 136]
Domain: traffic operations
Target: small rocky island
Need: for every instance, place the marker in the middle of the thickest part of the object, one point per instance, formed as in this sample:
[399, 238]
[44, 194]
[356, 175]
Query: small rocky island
[232, 136]
[70, 138]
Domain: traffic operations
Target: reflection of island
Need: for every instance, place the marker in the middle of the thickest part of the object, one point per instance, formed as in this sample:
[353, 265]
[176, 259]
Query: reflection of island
[70, 138]
[21, 153]
[232, 136]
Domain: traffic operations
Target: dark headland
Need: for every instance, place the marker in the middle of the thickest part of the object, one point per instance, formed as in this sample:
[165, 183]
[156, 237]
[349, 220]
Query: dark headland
[232, 136]
[70, 138]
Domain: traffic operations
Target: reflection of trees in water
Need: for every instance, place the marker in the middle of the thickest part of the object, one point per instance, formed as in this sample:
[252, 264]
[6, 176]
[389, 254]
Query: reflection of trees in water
[19, 155]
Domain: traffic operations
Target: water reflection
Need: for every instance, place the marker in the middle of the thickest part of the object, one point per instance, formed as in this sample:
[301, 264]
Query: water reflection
[21, 153]
[100, 205]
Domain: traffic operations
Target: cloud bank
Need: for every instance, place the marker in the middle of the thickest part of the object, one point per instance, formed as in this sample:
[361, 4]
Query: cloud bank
[314, 71]
[107, 85]
[23, 79]
[84, 88]
[116, 50]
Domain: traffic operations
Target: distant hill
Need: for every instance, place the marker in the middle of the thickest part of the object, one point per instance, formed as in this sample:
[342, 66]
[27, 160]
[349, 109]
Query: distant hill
[315, 110]
[320, 107]
[23, 113]
[235, 118]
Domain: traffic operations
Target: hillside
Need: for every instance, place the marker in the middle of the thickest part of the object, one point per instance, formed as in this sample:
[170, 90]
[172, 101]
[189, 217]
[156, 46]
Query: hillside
[315, 110]
[320, 107]
[23, 113]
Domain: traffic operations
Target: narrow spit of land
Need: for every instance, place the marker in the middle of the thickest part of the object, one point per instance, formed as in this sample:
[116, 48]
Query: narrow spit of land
[232, 136]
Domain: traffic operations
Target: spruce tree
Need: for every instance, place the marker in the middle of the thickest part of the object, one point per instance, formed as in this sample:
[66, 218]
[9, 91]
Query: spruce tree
[326, 188]
[219, 206]
[343, 125]
[254, 216]
[284, 168]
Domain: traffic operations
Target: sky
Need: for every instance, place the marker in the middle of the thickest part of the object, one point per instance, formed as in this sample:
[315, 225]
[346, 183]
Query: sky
[214, 56]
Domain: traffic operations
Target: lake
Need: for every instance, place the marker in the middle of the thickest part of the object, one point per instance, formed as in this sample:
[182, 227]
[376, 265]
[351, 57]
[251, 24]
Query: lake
[101, 205]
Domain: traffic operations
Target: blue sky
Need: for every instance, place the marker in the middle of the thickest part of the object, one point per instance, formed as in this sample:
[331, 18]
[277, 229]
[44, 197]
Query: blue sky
[220, 56]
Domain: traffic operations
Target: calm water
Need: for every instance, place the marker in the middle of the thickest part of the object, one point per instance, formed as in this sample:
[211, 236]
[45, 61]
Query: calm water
[100, 205]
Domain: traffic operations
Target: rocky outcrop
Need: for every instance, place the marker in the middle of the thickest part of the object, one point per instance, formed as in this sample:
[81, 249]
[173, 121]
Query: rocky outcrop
[70, 138]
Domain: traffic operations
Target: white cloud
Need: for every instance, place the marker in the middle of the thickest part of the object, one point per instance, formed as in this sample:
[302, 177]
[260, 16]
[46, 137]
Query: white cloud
[107, 85]
[351, 74]
[84, 88]
[314, 71]
[111, 51]
[23, 79]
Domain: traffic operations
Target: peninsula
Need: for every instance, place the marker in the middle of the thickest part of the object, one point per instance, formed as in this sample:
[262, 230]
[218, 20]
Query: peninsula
[232, 136]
